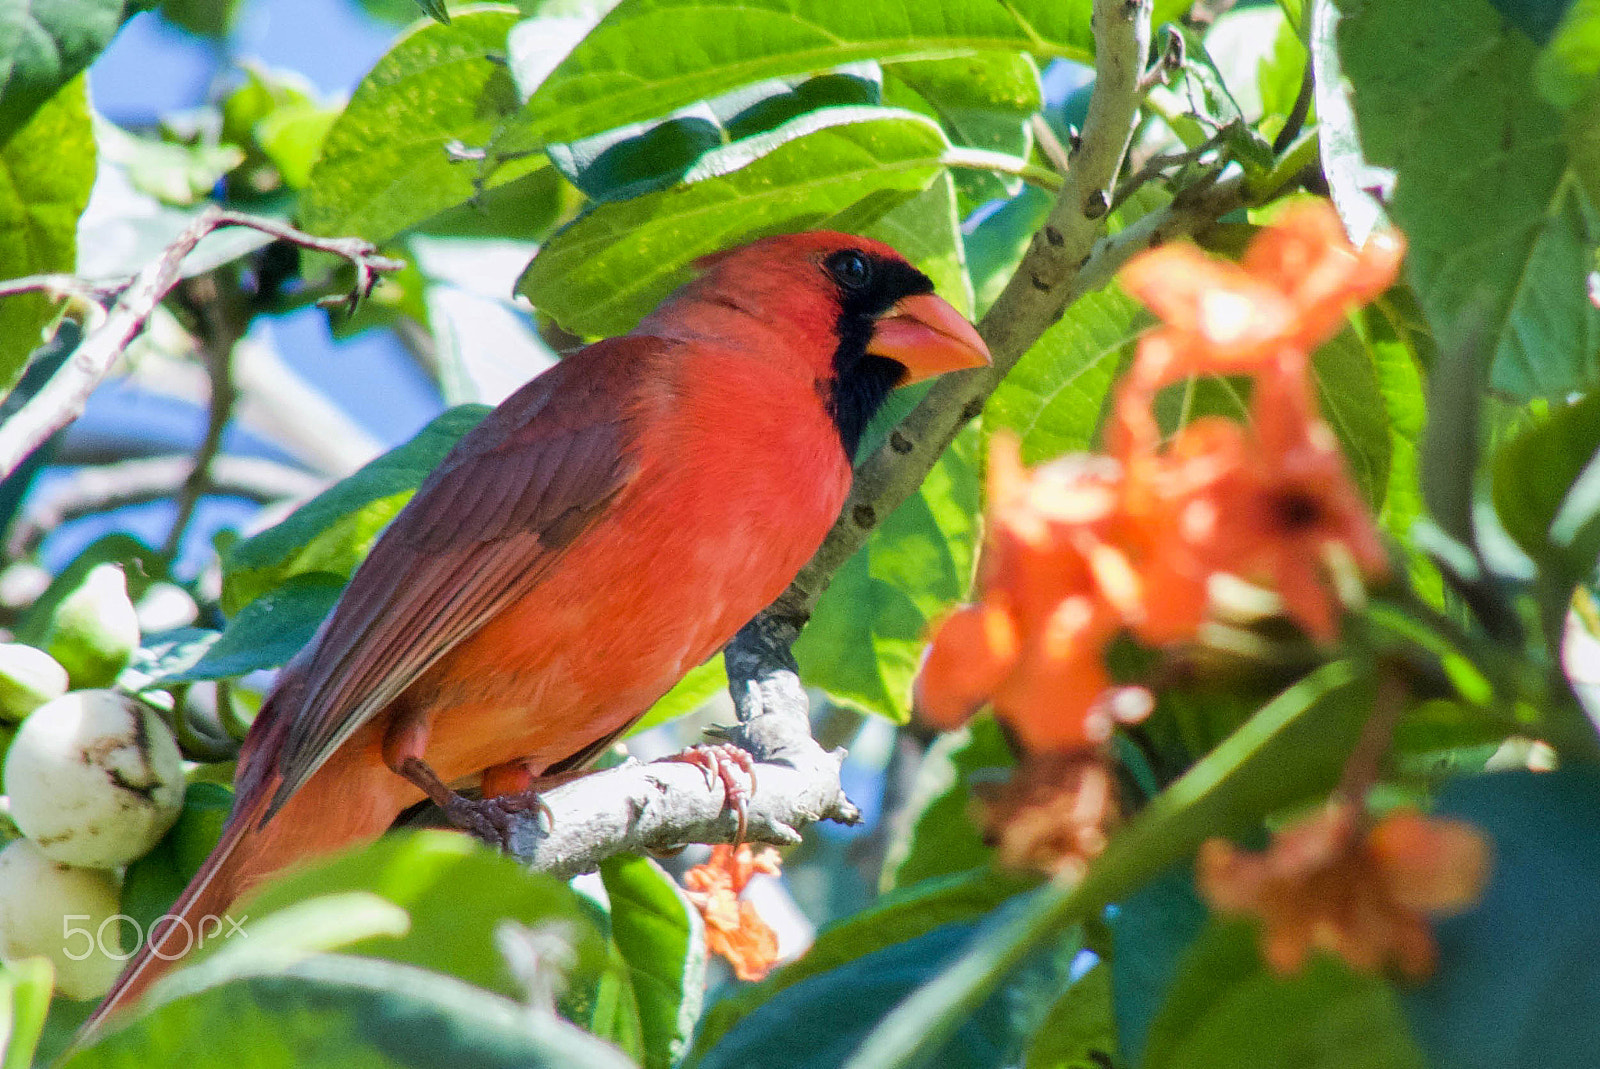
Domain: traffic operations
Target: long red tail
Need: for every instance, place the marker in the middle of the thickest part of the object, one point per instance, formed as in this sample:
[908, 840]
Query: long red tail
[196, 915]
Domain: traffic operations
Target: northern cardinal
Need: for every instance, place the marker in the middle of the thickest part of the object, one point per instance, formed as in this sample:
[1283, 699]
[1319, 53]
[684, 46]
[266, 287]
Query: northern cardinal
[610, 526]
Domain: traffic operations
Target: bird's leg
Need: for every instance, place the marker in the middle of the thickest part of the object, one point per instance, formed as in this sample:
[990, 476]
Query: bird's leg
[486, 819]
[489, 819]
[719, 761]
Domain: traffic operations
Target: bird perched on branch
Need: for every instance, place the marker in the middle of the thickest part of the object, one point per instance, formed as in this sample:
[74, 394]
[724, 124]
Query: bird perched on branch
[610, 526]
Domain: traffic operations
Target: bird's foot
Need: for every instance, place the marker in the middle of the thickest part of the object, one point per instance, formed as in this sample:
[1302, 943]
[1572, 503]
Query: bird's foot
[489, 819]
[722, 761]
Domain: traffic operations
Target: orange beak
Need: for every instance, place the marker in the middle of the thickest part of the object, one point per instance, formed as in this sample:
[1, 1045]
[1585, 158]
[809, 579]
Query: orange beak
[929, 337]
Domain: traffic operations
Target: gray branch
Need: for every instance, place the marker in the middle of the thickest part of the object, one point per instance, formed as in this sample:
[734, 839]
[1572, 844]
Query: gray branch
[61, 399]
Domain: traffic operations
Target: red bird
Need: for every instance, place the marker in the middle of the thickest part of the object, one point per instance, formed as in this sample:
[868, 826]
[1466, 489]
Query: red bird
[607, 528]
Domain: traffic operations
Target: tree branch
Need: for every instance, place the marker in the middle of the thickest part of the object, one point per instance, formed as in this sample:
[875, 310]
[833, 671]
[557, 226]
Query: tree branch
[104, 487]
[61, 400]
[637, 807]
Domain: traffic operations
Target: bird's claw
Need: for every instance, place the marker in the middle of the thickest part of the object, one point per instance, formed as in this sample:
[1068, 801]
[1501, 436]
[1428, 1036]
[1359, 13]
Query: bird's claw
[494, 819]
[719, 761]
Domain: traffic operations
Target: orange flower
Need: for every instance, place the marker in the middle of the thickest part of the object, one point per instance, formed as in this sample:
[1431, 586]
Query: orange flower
[733, 927]
[1261, 317]
[1332, 883]
[1053, 814]
[1050, 578]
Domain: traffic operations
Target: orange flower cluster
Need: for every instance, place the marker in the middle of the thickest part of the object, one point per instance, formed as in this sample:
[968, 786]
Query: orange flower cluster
[733, 927]
[1085, 547]
[1361, 892]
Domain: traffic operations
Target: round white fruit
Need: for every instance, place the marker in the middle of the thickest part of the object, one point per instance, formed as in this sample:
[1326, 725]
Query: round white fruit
[63, 913]
[95, 778]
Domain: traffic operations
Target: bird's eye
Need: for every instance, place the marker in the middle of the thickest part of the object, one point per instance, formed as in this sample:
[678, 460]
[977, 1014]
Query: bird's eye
[850, 269]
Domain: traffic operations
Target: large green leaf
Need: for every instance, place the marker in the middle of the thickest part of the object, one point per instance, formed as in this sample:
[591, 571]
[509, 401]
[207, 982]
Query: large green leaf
[1226, 1011]
[641, 157]
[838, 167]
[1353, 405]
[1079, 1033]
[266, 633]
[866, 636]
[384, 163]
[1053, 398]
[43, 46]
[455, 891]
[334, 1012]
[992, 1037]
[333, 531]
[1517, 971]
[648, 57]
[896, 918]
[662, 940]
[983, 101]
[1505, 234]
[47, 168]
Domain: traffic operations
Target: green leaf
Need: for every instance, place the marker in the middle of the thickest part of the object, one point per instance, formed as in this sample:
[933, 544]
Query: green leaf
[898, 917]
[1079, 1033]
[47, 167]
[333, 1011]
[663, 943]
[43, 46]
[983, 101]
[942, 839]
[174, 173]
[1397, 361]
[1351, 402]
[269, 631]
[1151, 932]
[840, 167]
[1464, 76]
[1293, 748]
[24, 1002]
[1543, 494]
[1515, 971]
[334, 530]
[384, 163]
[1226, 1011]
[456, 892]
[991, 1037]
[648, 57]
[866, 636]
[1566, 69]
[643, 157]
[1053, 398]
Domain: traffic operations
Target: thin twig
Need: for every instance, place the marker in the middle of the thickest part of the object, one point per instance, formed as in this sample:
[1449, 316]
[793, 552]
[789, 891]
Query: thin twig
[1049, 144]
[1001, 163]
[61, 400]
[223, 312]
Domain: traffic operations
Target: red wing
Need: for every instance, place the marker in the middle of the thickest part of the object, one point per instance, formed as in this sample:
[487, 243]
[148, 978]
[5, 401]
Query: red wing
[481, 532]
